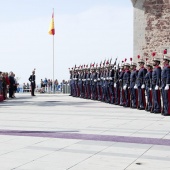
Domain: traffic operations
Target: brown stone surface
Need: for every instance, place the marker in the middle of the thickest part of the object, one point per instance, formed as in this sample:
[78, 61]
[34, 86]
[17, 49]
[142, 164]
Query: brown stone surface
[152, 24]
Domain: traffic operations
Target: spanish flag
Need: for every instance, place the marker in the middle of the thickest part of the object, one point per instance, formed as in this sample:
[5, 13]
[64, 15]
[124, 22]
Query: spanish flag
[51, 28]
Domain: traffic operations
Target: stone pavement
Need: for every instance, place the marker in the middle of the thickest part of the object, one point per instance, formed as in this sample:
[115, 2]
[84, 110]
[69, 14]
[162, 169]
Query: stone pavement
[58, 132]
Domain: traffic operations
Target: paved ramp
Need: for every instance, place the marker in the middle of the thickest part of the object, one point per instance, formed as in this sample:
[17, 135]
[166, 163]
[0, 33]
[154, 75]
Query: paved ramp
[58, 132]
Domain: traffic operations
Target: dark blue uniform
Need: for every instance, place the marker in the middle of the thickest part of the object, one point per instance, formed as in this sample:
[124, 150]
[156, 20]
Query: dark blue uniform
[71, 83]
[140, 82]
[126, 82]
[88, 84]
[106, 87]
[117, 84]
[148, 86]
[80, 84]
[165, 80]
[133, 77]
[121, 87]
[99, 86]
[93, 85]
[156, 78]
[111, 86]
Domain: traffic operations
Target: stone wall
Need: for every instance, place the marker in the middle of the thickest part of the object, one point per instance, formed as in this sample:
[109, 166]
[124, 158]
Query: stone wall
[151, 27]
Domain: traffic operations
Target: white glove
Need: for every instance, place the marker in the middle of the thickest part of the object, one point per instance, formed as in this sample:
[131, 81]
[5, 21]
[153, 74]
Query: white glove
[143, 86]
[135, 87]
[150, 88]
[167, 87]
[124, 87]
[114, 84]
[156, 87]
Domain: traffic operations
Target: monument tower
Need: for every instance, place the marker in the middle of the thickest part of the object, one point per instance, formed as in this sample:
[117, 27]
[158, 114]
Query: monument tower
[151, 27]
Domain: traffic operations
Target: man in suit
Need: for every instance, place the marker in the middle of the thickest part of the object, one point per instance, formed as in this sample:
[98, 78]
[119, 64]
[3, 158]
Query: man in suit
[32, 81]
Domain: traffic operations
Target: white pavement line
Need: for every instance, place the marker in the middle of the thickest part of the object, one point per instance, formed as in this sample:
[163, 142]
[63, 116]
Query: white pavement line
[44, 155]
[165, 135]
[146, 126]
[91, 156]
[139, 157]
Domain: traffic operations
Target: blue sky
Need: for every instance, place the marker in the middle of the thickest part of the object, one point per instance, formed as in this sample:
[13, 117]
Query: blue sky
[86, 31]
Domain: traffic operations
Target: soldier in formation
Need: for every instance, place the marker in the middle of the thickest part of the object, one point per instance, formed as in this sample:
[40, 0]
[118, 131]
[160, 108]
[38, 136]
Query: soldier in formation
[146, 88]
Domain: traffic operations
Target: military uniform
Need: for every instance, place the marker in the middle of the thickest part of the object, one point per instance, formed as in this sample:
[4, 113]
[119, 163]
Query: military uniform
[126, 83]
[32, 81]
[165, 81]
[156, 78]
[148, 87]
[111, 85]
[121, 87]
[98, 84]
[116, 86]
[140, 85]
[133, 90]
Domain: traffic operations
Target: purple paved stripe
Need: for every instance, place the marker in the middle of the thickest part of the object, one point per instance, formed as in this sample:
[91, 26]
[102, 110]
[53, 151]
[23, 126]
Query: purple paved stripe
[109, 138]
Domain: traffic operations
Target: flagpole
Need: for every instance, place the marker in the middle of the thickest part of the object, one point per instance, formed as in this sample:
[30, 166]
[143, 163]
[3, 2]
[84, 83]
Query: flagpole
[53, 60]
[53, 65]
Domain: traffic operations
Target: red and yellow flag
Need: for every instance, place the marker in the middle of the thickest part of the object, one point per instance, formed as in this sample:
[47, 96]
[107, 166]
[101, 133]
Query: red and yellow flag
[51, 28]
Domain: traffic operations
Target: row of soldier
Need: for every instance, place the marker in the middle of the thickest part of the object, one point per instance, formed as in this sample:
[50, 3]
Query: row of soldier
[146, 88]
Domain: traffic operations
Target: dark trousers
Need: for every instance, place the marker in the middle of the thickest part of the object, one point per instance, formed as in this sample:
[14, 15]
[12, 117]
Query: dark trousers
[149, 99]
[165, 100]
[133, 96]
[99, 92]
[126, 101]
[106, 93]
[94, 92]
[112, 94]
[140, 98]
[11, 91]
[32, 89]
[156, 105]
[117, 94]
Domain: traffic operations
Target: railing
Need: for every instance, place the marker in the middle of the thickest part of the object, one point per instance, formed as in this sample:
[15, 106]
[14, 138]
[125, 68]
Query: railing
[65, 89]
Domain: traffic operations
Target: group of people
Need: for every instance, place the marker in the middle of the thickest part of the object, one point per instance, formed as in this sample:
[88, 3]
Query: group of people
[8, 83]
[146, 88]
[47, 85]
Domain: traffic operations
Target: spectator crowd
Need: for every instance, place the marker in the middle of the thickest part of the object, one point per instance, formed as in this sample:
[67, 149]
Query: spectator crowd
[8, 84]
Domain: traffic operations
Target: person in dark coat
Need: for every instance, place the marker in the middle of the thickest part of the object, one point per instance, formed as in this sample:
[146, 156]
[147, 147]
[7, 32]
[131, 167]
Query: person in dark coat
[11, 85]
[32, 81]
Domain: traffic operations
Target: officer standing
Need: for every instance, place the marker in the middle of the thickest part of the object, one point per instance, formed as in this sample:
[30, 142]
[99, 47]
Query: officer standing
[111, 84]
[165, 79]
[121, 84]
[156, 78]
[116, 85]
[140, 84]
[32, 80]
[126, 83]
[148, 86]
[133, 90]
[98, 83]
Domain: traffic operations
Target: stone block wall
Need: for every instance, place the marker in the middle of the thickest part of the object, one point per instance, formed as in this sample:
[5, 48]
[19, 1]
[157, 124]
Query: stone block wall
[151, 27]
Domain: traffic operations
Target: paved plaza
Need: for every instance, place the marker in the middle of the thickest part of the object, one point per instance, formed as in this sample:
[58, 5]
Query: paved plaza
[58, 132]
